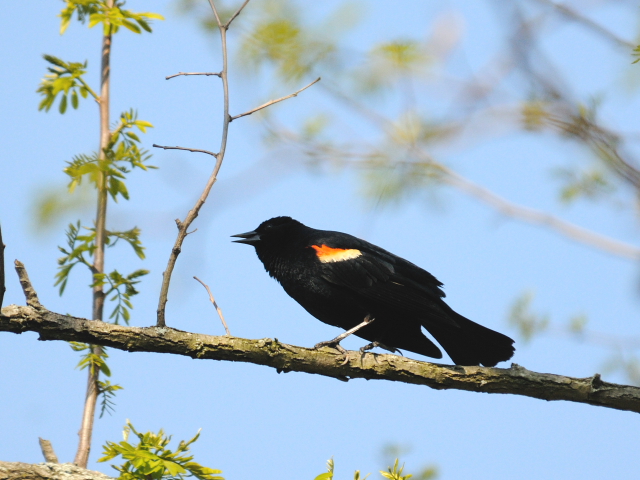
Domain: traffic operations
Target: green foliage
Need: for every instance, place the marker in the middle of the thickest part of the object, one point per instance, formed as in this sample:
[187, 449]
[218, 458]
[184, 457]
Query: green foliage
[395, 473]
[77, 246]
[390, 181]
[150, 459]
[328, 475]
[577, 323]
[392, 473]
[121, 286]
[525, 320]
[97, 11]
[636, 53]
[121, 156]
[590, 184]
[64, 78]
[277, 37]
[123, 289]
[95, 359]
[389, 62]
[534, 115]
[107, 391]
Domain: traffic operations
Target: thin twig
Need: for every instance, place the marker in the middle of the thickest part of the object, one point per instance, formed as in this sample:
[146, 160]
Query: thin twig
[271, 102]
[233, 17]
[578, 17]
[196, 150]
[213, 300]
[537, 217]
[29, 292]
[3, 287]
[208, 74]
[193, 213]
[47, 451]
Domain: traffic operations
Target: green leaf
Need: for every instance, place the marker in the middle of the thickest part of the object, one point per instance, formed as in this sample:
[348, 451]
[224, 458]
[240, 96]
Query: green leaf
[63, 104]
[324, 476]
[131, 26]
[132, 136]
[74, 99]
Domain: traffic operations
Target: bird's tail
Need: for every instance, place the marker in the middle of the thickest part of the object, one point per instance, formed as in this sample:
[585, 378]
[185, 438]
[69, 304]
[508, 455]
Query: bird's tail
[472, 344]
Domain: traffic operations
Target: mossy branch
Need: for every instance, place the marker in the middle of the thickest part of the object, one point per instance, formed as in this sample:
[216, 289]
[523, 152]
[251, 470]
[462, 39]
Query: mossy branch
[327, 362]
[47, 471]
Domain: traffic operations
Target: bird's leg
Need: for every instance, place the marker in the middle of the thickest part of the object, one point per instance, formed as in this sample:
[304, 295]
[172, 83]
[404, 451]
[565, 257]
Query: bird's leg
[369, 346]
[375, 344]
[335, 343]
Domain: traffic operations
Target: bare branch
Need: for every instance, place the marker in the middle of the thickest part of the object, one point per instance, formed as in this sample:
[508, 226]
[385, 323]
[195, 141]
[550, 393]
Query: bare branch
[213, 300]
[193, 213]
[47, 451]
[196, 150]
[587, 22]
[208, 74]
[537, 217]
[271, 102]
[270, 352]
[215, 13]
[29, 292]
[233, 17]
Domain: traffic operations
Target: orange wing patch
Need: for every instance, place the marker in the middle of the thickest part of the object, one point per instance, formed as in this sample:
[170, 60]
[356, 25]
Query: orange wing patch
[327, 254]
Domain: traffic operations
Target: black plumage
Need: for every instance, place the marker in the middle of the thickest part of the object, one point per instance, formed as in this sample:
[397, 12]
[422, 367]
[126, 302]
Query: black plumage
[341, 279]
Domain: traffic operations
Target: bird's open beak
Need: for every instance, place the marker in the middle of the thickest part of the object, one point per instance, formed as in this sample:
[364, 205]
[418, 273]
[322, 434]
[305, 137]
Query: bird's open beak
[250, 238]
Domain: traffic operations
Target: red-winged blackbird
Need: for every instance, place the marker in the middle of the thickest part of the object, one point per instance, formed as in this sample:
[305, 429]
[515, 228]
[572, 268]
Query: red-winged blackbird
[342, 280]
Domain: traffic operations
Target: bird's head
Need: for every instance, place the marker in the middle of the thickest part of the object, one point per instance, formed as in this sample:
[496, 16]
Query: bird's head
[272, 232]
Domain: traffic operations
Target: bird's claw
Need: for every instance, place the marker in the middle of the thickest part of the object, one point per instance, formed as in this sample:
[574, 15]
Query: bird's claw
[334, 344]
[369, 346]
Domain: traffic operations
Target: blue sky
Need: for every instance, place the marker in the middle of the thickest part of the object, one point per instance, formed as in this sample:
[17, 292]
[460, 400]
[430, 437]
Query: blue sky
[255, 422]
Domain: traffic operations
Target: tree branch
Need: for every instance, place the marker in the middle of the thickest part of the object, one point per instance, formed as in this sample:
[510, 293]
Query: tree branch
[537, 217]
[327, 362]
[233, 17]
[587, 22]
[215, 305]
[195, 150]
[193, 213]
[271, 102]
[29, 292]
[208, 74]
[47, 451]
[47, 471]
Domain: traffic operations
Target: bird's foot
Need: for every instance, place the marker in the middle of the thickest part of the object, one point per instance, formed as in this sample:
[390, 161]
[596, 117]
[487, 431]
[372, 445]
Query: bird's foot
[335, 343]
[369, 346]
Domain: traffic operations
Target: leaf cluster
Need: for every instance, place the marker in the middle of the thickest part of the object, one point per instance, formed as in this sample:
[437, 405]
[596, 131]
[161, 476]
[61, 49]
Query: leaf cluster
[278, 37]
[150, 459]
[121, 155]
[392, 473]
[64, 78]
[121, 286]
[112, 18]
[95, 359]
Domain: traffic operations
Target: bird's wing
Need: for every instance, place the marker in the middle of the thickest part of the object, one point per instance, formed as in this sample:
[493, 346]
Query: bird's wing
[377, 275]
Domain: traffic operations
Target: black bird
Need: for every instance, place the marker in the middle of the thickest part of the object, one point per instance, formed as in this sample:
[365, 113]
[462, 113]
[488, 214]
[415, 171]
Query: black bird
[347, 282]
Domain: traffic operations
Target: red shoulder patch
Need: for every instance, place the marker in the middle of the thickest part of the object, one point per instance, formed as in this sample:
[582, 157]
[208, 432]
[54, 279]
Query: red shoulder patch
[327, 254]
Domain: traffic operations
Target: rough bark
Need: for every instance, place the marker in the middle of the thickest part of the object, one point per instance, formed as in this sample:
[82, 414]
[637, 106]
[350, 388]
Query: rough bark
[47, 451]
[46, 471]
[328, 362]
